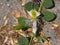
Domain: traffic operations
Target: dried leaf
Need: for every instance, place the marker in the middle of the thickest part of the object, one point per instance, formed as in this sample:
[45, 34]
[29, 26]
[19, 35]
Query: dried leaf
[16, 21]
[16, 13]
[20, 31]
[41, 33]
[5, 22]
[5, 17]
[29, 29]
[46, 42]
[23, 2]
[54, 25]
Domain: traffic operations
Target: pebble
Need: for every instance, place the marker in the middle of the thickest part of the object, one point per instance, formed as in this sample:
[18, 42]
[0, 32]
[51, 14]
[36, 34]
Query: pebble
[7, 0]
[8, 5]
[1, 3]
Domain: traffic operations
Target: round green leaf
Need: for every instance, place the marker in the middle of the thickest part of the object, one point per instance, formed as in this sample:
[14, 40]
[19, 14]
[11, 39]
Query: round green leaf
[29, 6]
[48, 3]
[22, 20]
[36, 6]
[22, 23]
[23, 41]
[48, 16]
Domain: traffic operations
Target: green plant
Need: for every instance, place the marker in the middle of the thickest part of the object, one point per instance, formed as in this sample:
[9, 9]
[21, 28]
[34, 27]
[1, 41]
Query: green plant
[35, 9]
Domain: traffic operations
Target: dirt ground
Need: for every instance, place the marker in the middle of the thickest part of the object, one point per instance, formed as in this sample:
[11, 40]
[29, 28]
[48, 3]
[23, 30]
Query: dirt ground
[8, 6]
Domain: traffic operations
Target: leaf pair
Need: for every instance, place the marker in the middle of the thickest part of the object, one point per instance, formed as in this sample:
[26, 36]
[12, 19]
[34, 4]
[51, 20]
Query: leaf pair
[48, 16]
[47, 4]
[30, 5]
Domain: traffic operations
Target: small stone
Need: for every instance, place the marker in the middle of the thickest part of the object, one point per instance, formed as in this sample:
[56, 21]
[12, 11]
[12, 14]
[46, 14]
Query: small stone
[29, 29]
[7, 0]
[1, 3]
[8, 5]
[35, 39]
[52, 28]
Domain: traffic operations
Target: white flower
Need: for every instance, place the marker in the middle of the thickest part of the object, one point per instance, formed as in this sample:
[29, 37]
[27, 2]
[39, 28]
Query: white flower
[33, 13]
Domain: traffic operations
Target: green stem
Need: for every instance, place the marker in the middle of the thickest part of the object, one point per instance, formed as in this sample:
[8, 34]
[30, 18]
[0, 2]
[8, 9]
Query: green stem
[31, 40]
[41, 6]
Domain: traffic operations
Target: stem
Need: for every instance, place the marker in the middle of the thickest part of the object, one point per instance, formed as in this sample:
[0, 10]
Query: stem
[31, 40]
[41, 6]
[34, 27]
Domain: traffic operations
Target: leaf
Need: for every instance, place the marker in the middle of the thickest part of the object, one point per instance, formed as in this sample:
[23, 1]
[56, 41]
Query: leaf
[29, 6]
[18, 27]
[48, 3]
[36, 6]
[39, 39]
[44, 37]
[22, 23]
[17, 44]
[48, 16]
[23, 40]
